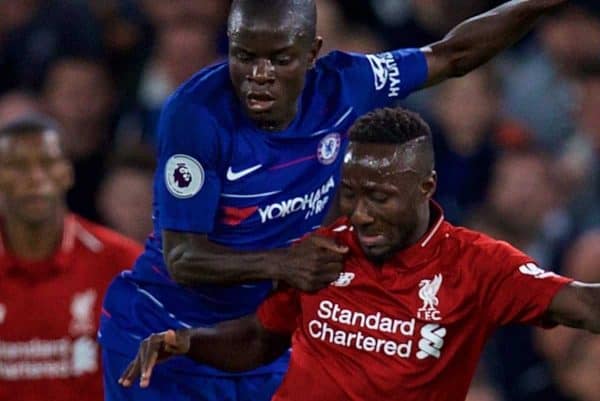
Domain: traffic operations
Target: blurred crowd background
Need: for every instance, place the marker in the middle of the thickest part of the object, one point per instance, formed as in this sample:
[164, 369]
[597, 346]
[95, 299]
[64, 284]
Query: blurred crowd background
[518, 141]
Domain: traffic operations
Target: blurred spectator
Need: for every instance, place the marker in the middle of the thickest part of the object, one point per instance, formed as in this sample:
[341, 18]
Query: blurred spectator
[522, 207]
[212, 13]
[575, 358]
[579, 164]
[339, 33]
[16, 104]
[79, 94]
[413, 23]
[54, 269]
[127, 40]
[33, 33]
[182, 49]
[468, 135]
[482, 391]
[538, 84]
[578, 373]
[125, 197]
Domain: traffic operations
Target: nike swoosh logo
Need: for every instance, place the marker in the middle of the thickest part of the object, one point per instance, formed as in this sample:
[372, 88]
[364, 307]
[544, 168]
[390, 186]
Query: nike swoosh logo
[231, 176]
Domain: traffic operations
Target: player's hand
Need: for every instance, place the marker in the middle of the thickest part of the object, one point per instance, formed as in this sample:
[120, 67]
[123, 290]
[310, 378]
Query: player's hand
[154, 349]
[314, 263]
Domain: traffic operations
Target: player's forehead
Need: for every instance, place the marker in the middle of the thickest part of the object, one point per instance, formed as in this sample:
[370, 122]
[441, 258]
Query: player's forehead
[382, 157]
[265, 30]
[34, 143]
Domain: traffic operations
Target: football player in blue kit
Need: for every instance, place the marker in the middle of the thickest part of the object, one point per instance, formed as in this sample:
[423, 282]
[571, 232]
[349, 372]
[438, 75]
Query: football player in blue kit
[249, 161]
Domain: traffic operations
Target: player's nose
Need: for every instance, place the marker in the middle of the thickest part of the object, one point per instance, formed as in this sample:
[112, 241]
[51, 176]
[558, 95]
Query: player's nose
[361, 214]
[263, 71]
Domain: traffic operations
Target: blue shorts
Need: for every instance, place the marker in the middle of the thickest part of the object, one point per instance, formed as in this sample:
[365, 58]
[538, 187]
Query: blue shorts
[171, 385]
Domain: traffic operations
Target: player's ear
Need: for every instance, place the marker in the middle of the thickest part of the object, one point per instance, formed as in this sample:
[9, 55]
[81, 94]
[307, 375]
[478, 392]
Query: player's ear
[67, 175]
[314, 51]
[429, 184]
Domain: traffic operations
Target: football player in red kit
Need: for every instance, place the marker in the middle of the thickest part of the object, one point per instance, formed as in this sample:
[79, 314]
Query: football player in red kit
[409, 316]
[54, 269]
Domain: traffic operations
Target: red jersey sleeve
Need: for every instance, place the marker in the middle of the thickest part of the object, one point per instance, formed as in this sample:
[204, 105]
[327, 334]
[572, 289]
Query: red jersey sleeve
[511, 287]
[281, 311]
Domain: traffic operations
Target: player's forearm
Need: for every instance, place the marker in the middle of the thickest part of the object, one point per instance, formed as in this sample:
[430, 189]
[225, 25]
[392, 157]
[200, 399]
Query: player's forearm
[193, 262]
[478, 39]
[590, 295]
[236, 345]
[577, 305]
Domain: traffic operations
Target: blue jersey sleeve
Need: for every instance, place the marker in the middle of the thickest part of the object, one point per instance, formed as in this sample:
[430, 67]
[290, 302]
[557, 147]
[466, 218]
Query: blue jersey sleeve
[380, 80]
[188, 186]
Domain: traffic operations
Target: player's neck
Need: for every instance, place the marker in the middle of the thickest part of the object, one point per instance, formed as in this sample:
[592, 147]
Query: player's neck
[33, 242]
[422, 226]
[281, 125]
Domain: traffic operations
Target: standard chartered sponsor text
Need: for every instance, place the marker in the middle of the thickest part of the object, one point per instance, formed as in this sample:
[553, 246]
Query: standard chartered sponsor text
[48, 359]
[353, 337]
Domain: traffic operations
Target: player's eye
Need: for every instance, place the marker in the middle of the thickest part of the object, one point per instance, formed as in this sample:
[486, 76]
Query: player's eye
[346, 193]
[243, 56]
[282, 60]
[378, 197]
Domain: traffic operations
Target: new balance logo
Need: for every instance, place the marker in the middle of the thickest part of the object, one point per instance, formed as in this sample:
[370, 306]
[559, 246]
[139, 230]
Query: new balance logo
[233, 176]
[343, 280]
[431, 342]
[531, 269]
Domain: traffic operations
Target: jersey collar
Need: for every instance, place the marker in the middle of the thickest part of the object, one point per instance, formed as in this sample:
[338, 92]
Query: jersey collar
[427, 247]
[57, 263]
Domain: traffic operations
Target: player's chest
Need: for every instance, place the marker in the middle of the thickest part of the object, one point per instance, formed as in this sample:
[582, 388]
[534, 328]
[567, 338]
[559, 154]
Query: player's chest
[271, 164]
[57, 308]
[407, 320]
[272, 181]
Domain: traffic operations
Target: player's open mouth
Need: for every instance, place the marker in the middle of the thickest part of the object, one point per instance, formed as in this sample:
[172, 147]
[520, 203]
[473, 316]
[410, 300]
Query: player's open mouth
[260, 102]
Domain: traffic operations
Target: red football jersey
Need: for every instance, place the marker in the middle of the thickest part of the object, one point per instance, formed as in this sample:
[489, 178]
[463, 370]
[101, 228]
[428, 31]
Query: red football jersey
[411, 329]
[49, 313]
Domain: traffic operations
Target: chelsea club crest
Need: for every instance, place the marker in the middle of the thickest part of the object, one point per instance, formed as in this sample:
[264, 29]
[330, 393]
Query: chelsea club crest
[328, 148]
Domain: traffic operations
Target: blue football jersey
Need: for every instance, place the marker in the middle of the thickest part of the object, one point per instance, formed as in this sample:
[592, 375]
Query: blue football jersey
[248, 189]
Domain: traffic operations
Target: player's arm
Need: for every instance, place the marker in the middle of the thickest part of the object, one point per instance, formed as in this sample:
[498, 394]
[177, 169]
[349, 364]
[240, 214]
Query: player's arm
[236, 345]
[478, 39]
[576, 305]
[193, 260]
[188, 188]
[233, 346]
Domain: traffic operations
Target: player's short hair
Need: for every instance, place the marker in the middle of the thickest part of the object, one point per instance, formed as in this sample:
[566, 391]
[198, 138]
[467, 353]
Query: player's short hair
[396, 126]
[389, 125]
[30, 124]
[304, 12]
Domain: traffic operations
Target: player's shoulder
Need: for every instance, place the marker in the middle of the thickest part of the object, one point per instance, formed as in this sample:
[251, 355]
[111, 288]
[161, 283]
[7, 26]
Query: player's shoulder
[103, 240]
[337, 60]
[482, 249]
[204, 92]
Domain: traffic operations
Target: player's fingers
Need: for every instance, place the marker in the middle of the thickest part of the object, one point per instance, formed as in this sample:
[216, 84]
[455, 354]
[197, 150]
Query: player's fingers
[329, 269]
[330, 244]
[170, 338]
[147, 371]
[130, 374]
[149, 353]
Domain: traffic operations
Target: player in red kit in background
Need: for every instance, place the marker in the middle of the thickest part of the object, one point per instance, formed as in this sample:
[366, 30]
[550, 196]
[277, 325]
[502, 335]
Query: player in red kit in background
[54, 268]
[418, 298]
